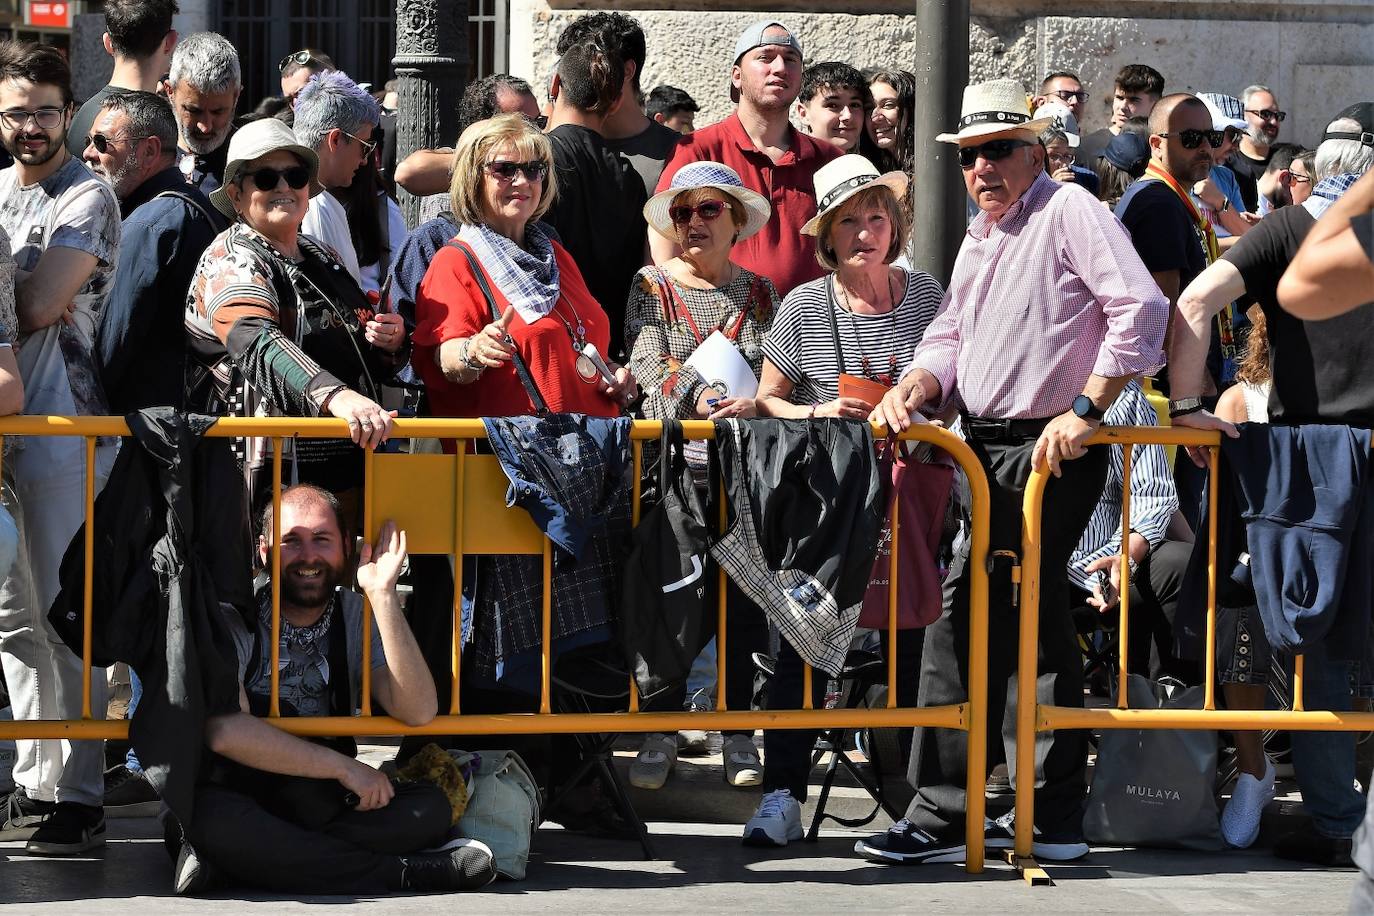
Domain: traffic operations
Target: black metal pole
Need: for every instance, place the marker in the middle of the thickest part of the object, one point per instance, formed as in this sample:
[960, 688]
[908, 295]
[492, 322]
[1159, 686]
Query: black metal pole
[941, 75]
[432, 66]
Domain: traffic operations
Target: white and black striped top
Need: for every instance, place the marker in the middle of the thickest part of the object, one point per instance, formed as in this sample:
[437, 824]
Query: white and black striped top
[801, 346]
[1153, 495]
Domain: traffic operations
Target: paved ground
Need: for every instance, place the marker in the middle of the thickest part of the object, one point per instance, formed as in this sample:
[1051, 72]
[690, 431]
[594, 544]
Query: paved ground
[702, 868]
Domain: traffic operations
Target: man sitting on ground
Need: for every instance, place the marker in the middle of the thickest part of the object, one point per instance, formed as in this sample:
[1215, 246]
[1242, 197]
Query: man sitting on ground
[302, 816]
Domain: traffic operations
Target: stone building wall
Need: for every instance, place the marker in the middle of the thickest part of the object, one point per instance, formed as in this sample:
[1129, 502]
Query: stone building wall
[1317, 56]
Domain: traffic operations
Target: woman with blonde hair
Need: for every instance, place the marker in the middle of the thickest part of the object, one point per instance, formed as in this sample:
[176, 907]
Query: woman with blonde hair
[505, 324]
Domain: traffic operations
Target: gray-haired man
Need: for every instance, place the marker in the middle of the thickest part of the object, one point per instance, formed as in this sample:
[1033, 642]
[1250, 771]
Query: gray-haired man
[204, 87]
[335, 118]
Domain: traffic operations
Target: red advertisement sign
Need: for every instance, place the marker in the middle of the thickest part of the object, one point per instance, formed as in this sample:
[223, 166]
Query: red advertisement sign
[49, 14]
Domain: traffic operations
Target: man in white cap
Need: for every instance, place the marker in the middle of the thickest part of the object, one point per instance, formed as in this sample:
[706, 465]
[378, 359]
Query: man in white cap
[772, 157]
[1048, 315]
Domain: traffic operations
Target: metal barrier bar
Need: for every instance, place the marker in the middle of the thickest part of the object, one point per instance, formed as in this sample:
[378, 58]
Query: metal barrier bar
[1123, 631]
[720, 612]
[893, 523]
[967, 716]
[1033, 717]
[87, 590]
[637, 452]
[370, 536]
[456, 648]
[274, 700]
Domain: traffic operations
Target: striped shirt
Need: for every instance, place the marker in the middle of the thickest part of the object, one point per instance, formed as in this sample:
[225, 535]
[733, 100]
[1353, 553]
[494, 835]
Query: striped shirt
[1039, 300]
[1153, 497]
[800, 345]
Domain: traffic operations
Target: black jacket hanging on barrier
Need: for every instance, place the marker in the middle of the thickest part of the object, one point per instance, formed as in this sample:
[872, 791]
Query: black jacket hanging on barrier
[806, 508]
[172, 555]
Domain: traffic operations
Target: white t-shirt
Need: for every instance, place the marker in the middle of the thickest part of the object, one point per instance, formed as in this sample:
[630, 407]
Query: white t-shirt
[327, 223]
[71, 208]
[372, 278]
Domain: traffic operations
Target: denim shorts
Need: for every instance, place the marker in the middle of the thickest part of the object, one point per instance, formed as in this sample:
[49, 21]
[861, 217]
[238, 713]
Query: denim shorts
[1243, 654]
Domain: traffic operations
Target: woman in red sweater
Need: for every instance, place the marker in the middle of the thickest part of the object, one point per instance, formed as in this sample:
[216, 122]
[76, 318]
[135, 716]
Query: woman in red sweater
[503, 182]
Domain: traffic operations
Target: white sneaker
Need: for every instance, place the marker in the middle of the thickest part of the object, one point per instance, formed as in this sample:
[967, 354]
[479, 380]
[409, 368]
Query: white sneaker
[1240, 819]
[657, 757]
[776, 823]
[742, 766]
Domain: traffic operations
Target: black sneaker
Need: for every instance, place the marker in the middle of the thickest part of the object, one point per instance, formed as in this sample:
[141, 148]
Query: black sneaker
[71, 830]
[459, 865]
[1307, 845]
[20, 815]
[191, 875]
[906, 844]
[1057, 847]
[129, 794]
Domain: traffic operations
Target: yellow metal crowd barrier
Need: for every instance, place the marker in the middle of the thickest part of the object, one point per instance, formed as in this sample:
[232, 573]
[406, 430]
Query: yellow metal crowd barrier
[454, 505]
[1033, 717]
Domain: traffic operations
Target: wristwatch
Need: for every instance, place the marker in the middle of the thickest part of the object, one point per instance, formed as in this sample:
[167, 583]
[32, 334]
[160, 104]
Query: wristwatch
[1085, 409]
[1184, 406]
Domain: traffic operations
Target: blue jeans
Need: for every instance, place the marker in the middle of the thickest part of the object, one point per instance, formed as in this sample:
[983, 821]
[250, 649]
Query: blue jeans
[135, 694]
[1324, 762]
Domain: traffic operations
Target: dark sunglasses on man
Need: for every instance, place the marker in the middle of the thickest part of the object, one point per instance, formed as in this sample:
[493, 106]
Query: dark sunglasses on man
[103, 143]
[1069, 95]
[1268, 114]
[992, 151]
[1192, 139]
[297, 177]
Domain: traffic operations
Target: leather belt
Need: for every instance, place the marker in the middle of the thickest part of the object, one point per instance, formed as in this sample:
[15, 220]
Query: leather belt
[990, 430]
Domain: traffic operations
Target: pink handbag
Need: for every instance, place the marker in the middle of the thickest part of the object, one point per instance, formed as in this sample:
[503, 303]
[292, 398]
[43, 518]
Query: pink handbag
[921, 491]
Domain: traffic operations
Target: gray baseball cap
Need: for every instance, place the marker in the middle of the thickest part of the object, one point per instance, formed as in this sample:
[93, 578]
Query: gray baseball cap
[753, 37]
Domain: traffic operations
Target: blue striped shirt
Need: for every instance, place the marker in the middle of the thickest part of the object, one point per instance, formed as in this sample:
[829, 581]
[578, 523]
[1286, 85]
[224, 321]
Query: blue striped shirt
[1153, 496]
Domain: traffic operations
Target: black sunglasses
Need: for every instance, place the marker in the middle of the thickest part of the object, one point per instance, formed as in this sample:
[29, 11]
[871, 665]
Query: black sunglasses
[505, 170]
[992, 151]
[1069, 95]
[708, 210]
[1192, 138]
[103, 143]
[1268, 114]
[298, 57]
[297, 177]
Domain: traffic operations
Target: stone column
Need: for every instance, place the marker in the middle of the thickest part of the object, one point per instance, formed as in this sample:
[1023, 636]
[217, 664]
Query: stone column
[432, 64]
[941, 69]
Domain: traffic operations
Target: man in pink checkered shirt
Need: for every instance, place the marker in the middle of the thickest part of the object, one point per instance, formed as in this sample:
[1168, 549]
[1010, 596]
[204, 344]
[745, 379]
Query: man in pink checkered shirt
[1048, 315]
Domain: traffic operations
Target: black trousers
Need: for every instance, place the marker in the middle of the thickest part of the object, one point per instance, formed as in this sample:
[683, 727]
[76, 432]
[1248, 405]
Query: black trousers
[939, 757]
[1154, 605]
[351, 852]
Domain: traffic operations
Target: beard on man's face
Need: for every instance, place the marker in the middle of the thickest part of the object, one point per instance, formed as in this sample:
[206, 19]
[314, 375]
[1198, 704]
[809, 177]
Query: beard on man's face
[1259, 137]
[309, 584]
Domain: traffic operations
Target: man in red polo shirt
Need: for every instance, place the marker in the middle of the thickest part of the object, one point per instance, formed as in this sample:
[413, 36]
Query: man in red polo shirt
[773, 158]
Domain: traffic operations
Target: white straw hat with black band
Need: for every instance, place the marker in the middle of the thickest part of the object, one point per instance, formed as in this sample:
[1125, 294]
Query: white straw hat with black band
[707, 174]
[842, 178]
[994, 107]
[253, 141]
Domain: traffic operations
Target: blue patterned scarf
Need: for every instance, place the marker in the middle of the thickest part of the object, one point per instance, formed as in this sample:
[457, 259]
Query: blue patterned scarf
[527, 277]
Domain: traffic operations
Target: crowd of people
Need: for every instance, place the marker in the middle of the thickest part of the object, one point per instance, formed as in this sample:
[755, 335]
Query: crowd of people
[582, 247]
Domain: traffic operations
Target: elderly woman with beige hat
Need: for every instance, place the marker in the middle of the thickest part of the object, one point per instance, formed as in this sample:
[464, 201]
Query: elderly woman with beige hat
[275, 324]
[839, 342]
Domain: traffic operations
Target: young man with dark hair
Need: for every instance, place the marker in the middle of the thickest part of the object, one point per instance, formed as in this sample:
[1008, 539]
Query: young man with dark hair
[140, 38]
[1286, 180]
[598, 211]
[1136, 90]
[772, 157]
[1066, 88]
[672, 107]
[63, 223]
[646, 143]
[831, 104]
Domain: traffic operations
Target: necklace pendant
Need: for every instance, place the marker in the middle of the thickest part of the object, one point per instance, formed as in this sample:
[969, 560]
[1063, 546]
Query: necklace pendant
[586, 368]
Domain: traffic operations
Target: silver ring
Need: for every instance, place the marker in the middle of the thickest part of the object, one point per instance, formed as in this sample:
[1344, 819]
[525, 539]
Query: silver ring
[367, 424]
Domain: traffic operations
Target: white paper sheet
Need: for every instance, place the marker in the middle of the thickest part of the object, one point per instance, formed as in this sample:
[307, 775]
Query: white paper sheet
[723, 366]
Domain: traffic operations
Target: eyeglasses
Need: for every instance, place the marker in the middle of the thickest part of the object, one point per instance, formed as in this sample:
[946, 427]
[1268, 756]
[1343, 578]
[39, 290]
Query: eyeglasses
[103, 143]
[1268, 114]
[1069, 96]
[45, 118]
[1192, 139]
[992, 151]
[504, 170]
[367, 145]
[1068, 158]
[296, 57]
[708, 210]
[297, 177]
[1299, 178]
